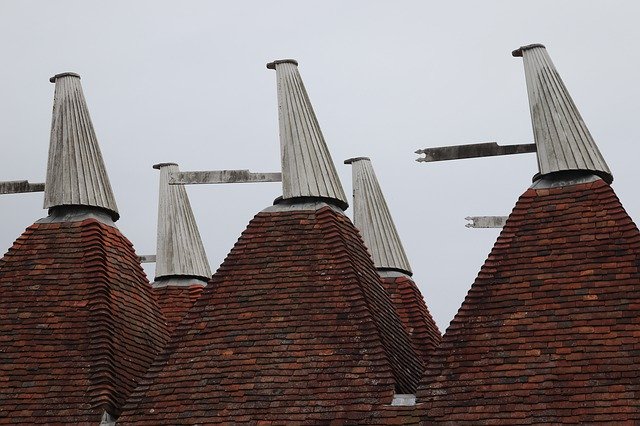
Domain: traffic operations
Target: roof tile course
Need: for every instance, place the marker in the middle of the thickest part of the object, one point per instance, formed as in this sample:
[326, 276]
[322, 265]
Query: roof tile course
[294, 326]
[548, 333]
[79, 325]
[175, 301]
[416, 319]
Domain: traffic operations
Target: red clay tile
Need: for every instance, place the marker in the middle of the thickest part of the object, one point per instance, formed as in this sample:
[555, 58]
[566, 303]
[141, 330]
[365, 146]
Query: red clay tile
[416, 319]
[175, 302]
[548, 333]
[294, 328]
[78, 321]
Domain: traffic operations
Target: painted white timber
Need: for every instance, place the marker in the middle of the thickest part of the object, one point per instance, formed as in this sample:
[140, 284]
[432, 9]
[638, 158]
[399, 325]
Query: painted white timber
[20, 186]
[76, 174]
[107, 420]
[179, 282]
[221, 176]
[403, 400]
[486, 221]
[179, 250]
[458, 152]
[372, 217]
[562, 139]
[307, 167]
[296, 206]
[147, 258]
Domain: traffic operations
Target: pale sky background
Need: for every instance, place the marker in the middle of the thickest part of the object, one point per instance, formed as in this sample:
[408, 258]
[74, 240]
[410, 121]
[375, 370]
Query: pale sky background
[186, 82]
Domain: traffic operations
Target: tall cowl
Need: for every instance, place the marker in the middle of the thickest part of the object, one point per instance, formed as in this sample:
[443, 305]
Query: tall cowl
[180, 252]
[307, 167]
[372, 217]
[76, 175]
[295, 326]
[562, 139]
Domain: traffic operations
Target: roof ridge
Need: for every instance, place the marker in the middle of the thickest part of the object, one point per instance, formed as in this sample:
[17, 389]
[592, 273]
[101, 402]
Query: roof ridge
[107, 376]
[405, 365]
[414, 313]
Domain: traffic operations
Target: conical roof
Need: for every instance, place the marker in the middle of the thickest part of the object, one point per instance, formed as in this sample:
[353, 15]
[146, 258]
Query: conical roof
[372, 217]
[307, 168]
[80, 325]
[176, 300]
[293, 327]
[413, 312]
[79, 321]
[562, 139]
[547, 331]
[179, 252]
[76, 175]
[295, 324]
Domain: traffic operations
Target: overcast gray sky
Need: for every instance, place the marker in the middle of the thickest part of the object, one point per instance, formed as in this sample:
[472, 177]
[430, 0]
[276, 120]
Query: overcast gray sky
[186, 82]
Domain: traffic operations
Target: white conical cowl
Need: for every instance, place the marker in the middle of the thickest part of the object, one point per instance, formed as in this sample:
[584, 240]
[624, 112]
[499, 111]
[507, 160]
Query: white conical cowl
[307, 167]
[372, 217]
[563, 142]
[179, 252]
[76, 175]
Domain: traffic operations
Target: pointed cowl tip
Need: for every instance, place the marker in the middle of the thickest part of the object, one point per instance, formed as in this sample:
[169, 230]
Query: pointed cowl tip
[76, 174]
[563, 141]
[179, 251]
[308, 172]
[372, 217]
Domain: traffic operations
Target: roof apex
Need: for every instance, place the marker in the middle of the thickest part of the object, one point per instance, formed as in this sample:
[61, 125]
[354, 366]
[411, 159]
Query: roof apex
[562, 139]
[76, 175]
[372, 217]
[307, 168]
[179, 251]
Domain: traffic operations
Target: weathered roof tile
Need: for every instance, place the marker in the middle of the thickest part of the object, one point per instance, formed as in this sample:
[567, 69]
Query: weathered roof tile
[547, 332]
[79, 324]
[294, 326]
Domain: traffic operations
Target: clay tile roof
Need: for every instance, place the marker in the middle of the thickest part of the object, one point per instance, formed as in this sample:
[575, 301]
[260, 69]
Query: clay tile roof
[79, 324]
[416, 319]
[548, 332]
[294, 326]
[175, 301]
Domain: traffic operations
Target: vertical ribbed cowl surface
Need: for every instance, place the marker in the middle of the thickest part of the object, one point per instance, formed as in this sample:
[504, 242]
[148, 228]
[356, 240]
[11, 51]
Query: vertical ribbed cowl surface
[562, 139]
[372, 217]
[307, 167]
[76, 174]
[179, 251]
